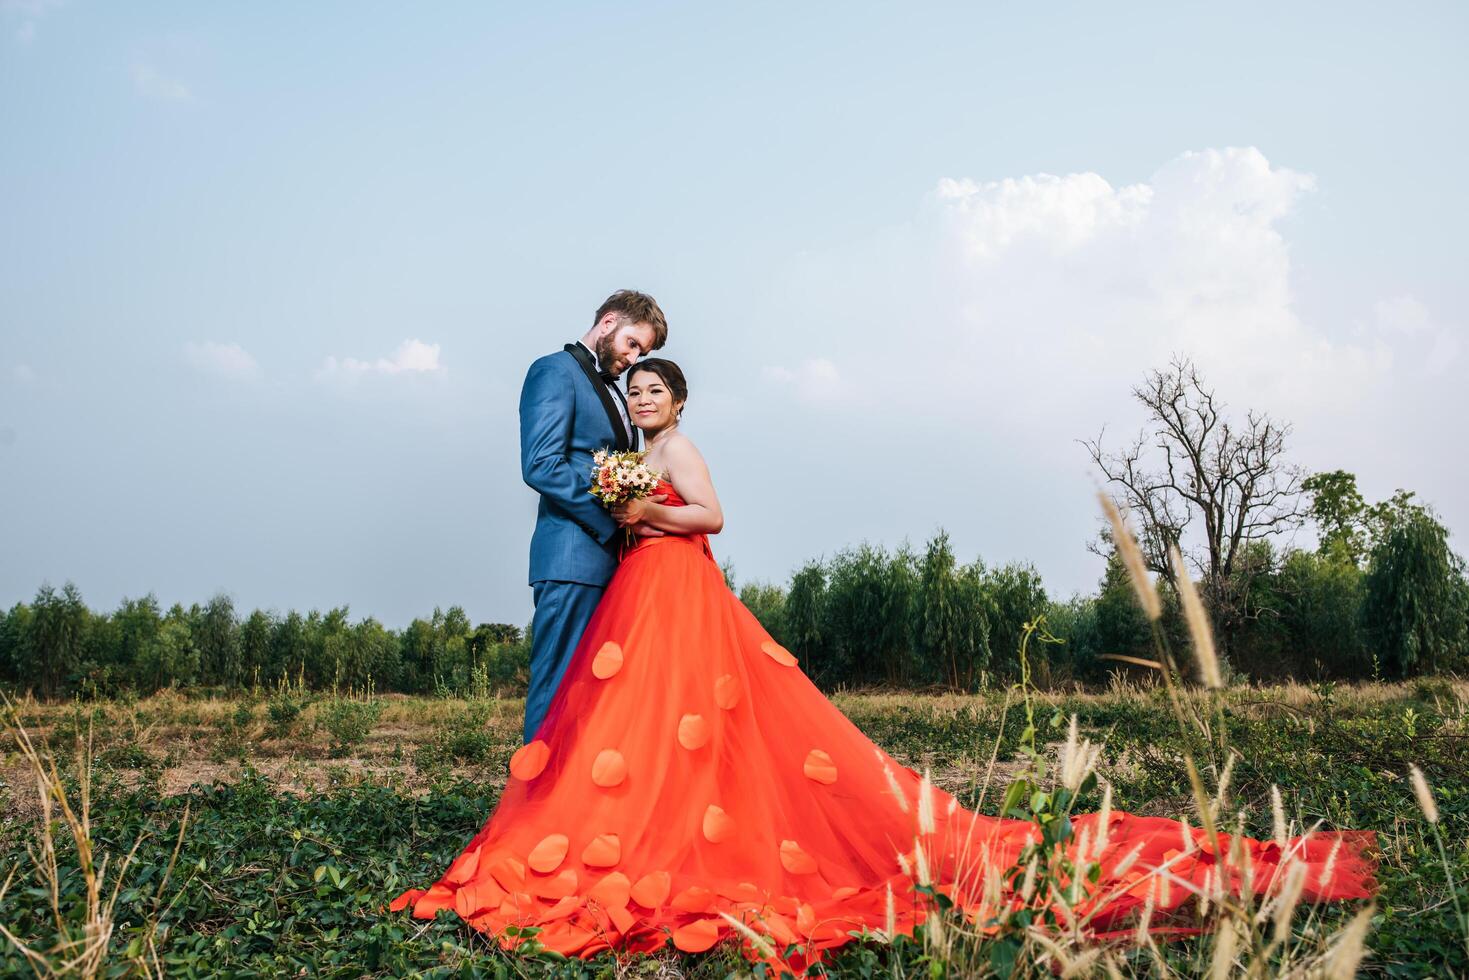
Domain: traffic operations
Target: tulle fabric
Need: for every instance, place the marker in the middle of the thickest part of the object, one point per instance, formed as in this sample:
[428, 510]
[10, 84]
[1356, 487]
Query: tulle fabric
[687, 768]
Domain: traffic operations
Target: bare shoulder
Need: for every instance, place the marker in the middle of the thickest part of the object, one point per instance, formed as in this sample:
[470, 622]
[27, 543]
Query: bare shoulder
[681, 446]
[680, 455]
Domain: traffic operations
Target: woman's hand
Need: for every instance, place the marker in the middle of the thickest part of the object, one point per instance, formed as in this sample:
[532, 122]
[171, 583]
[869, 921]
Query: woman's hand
[636, 510]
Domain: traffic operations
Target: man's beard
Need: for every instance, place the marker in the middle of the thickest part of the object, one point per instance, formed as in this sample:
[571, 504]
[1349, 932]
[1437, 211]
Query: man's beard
[605, 356]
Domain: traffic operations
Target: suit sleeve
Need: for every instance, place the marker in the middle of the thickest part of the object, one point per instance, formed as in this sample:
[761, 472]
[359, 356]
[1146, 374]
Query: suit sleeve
[545, 447]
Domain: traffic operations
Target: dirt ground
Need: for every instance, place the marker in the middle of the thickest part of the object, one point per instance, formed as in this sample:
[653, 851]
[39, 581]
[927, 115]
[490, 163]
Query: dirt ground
[178, 743]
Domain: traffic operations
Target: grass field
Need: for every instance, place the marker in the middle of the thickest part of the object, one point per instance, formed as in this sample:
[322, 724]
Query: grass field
[306, 813]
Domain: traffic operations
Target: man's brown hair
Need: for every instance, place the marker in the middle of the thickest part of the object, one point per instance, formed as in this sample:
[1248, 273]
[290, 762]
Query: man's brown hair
[632, 306]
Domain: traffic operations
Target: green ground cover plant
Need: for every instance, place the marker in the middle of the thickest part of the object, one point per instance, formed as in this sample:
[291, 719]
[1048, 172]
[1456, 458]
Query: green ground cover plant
[286, 857]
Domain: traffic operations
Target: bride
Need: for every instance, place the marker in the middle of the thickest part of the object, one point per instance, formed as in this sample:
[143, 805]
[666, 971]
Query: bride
[688, 768]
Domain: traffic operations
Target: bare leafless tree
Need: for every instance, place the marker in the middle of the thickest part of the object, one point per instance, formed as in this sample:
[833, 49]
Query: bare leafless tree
[1194, 479]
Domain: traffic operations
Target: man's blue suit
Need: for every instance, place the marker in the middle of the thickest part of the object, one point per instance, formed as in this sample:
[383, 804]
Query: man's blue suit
[566, 414]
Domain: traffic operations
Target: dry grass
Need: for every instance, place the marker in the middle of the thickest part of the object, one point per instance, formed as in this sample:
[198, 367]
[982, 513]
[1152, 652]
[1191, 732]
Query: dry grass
[181, 737]
[81, 948]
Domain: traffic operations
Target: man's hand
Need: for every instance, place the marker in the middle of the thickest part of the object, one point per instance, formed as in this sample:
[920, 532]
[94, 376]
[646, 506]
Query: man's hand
[634, 511]
[647, 531]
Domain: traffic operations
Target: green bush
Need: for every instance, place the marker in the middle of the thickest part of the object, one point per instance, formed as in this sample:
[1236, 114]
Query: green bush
[284, 712]
[348, 722]
[466, 737]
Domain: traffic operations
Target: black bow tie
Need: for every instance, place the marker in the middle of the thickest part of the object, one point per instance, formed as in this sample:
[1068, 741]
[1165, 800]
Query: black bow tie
[608, 377]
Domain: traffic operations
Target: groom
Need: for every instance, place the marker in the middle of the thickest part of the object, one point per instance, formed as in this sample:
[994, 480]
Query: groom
[570, 407]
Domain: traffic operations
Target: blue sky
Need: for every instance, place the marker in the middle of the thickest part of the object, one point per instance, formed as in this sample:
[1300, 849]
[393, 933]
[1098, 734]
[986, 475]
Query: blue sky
[270, 275]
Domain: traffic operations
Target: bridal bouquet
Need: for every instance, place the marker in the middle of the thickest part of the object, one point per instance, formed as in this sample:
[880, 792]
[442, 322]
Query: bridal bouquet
[619, 477]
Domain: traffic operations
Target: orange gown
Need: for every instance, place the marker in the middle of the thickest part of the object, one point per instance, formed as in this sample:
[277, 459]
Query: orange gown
[687, 767]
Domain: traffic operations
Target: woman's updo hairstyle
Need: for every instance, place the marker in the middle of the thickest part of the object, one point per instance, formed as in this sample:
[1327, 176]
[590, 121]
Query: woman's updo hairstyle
[667, 372]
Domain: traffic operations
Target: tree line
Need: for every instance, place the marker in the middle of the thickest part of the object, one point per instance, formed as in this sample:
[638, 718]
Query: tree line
[1382, 595]
[55, 646]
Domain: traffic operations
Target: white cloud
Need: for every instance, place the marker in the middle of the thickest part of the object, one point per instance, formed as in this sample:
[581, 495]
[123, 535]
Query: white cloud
[814, 380]
[1403, 314]
[1074, 283]
[1421, 339]
[151, 83]
[1055, 214]
[412, 357]
[229, 360]
[1073, 270]
[29, 13]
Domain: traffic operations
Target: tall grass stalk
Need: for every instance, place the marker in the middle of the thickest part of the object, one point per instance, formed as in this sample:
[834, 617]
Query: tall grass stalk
[1035, 918]
[79, 948]
[1429, 806]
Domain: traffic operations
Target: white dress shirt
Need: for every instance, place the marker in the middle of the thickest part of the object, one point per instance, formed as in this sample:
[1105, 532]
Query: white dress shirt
[612, 390]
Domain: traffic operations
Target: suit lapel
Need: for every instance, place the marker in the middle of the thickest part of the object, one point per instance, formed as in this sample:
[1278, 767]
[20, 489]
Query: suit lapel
[589, 368]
